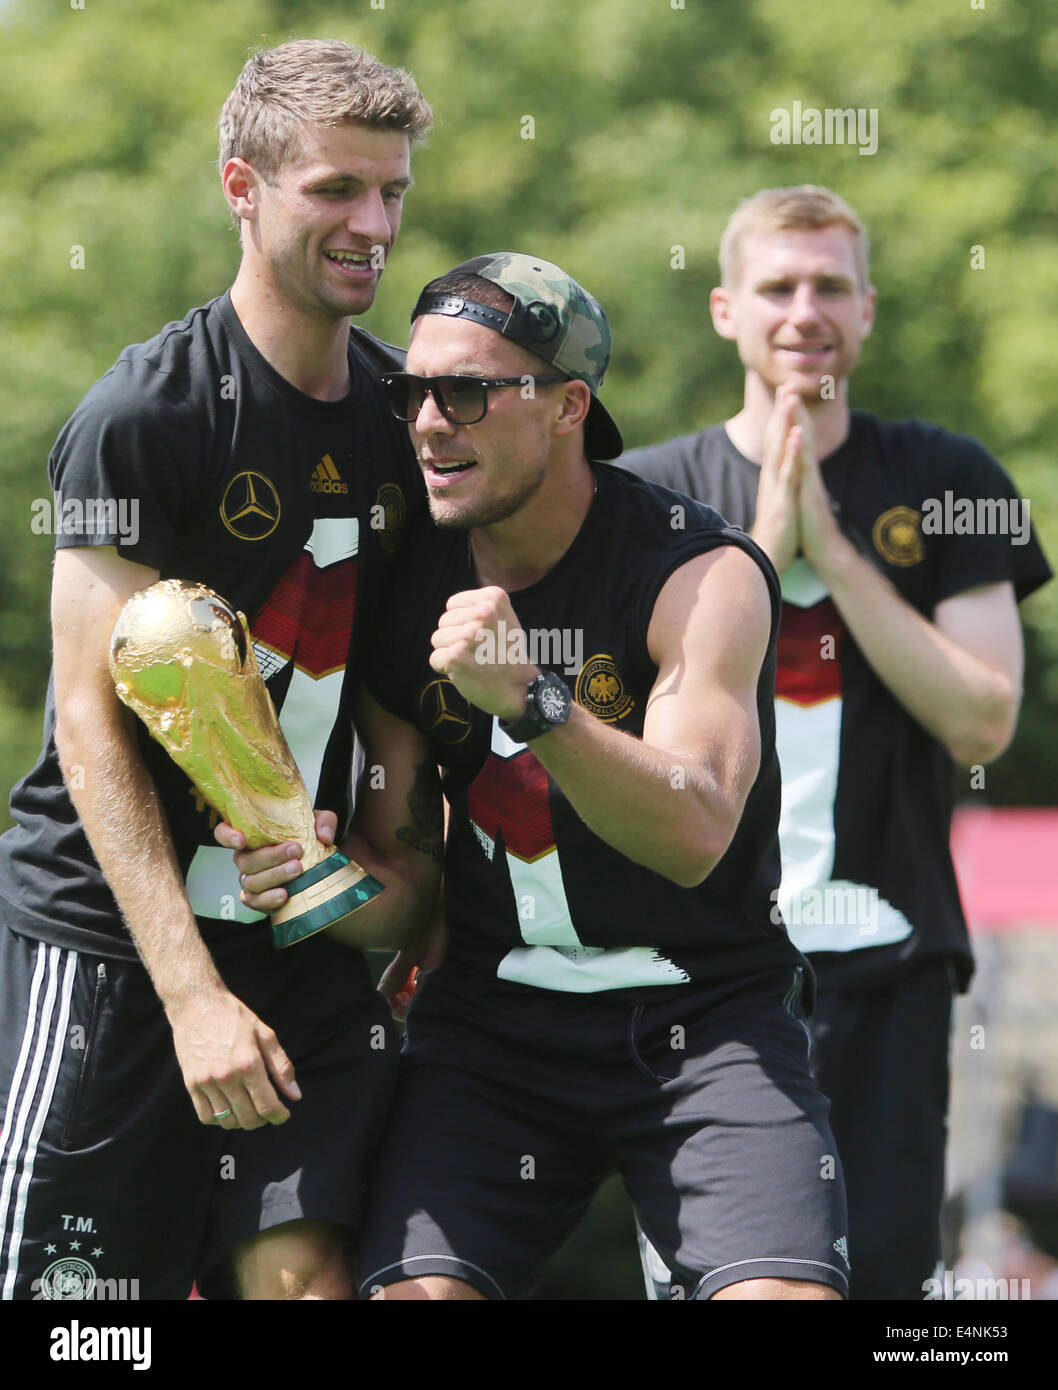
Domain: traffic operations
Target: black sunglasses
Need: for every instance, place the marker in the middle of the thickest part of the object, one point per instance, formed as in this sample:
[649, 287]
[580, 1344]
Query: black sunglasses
[464, 400]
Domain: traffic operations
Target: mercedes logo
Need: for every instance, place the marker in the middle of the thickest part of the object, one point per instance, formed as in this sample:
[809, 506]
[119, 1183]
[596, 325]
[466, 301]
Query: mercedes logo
[250, 506]
[444, 711]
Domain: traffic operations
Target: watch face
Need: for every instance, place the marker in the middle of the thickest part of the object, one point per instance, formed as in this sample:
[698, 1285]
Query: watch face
[553, 701]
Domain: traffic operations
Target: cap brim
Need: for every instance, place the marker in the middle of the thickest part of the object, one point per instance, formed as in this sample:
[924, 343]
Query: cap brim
[602, 438]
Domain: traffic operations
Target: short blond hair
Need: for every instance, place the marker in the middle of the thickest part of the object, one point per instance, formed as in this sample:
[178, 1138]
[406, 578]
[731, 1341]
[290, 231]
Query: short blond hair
[779, 209]
[314, 82]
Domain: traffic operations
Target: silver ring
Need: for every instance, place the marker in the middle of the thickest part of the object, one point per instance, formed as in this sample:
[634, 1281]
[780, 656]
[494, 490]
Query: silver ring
[222, 1114]
[242, 882]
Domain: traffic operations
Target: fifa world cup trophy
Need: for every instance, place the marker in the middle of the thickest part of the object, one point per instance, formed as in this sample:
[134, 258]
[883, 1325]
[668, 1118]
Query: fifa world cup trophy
[181, 658]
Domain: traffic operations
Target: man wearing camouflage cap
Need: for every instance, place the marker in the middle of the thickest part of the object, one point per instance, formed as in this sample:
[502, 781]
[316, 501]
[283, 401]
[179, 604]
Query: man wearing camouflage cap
[591, 659]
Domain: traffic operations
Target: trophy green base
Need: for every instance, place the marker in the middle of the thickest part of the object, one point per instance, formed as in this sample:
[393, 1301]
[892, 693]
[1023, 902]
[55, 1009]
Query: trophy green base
[320, 897]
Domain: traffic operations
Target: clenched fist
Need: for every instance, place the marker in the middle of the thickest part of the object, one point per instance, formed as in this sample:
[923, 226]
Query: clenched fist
[480, 646]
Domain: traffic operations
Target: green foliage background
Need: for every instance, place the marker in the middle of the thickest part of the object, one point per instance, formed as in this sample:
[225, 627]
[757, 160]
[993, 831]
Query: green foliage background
[652, 118]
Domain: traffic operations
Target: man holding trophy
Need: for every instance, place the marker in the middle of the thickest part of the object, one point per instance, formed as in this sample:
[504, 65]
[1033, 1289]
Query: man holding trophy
[268, 475]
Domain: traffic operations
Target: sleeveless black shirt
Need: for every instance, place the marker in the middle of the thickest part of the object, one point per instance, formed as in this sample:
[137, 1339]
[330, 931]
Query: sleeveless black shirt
[532, 894]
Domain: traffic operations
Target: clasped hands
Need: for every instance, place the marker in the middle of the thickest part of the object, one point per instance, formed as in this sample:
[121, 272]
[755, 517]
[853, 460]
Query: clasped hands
[794, 514]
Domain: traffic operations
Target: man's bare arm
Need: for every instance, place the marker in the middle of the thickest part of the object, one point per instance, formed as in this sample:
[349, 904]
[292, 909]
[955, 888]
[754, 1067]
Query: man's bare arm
[226, 1054]
[958, 676]
[674, 800]
[965, 690]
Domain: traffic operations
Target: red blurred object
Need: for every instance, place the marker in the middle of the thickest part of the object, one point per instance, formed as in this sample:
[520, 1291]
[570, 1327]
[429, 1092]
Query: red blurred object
[1006, 861]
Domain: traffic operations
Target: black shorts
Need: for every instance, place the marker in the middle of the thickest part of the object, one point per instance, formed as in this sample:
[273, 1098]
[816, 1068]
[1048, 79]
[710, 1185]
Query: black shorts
[514, 1105]
[881, 1055]
[110, 1187]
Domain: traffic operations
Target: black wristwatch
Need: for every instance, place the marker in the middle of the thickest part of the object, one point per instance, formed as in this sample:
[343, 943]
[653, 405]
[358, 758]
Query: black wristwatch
[547, 704]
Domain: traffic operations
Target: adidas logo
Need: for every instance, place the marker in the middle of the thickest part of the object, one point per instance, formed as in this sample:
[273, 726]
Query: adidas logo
[326, 478]
[841, 1245]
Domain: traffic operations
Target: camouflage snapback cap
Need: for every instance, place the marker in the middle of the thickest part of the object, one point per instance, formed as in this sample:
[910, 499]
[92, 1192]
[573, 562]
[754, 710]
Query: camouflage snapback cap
[553, 317]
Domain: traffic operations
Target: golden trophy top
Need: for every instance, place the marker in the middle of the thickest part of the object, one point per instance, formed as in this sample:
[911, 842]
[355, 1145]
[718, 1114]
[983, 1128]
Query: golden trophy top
[181, 658]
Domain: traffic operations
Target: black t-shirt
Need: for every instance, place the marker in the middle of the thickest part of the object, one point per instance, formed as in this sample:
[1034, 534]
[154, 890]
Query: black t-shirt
[868, 884]
[533, 895]
[292, 508]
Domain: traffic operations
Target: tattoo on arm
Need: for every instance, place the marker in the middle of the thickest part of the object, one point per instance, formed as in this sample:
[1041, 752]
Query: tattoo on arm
[426, 831]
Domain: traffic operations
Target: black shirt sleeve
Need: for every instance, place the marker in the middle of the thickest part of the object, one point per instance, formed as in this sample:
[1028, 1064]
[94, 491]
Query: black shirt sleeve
[999, 543]
[705, 466]
[128, 469]
[675, 464]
